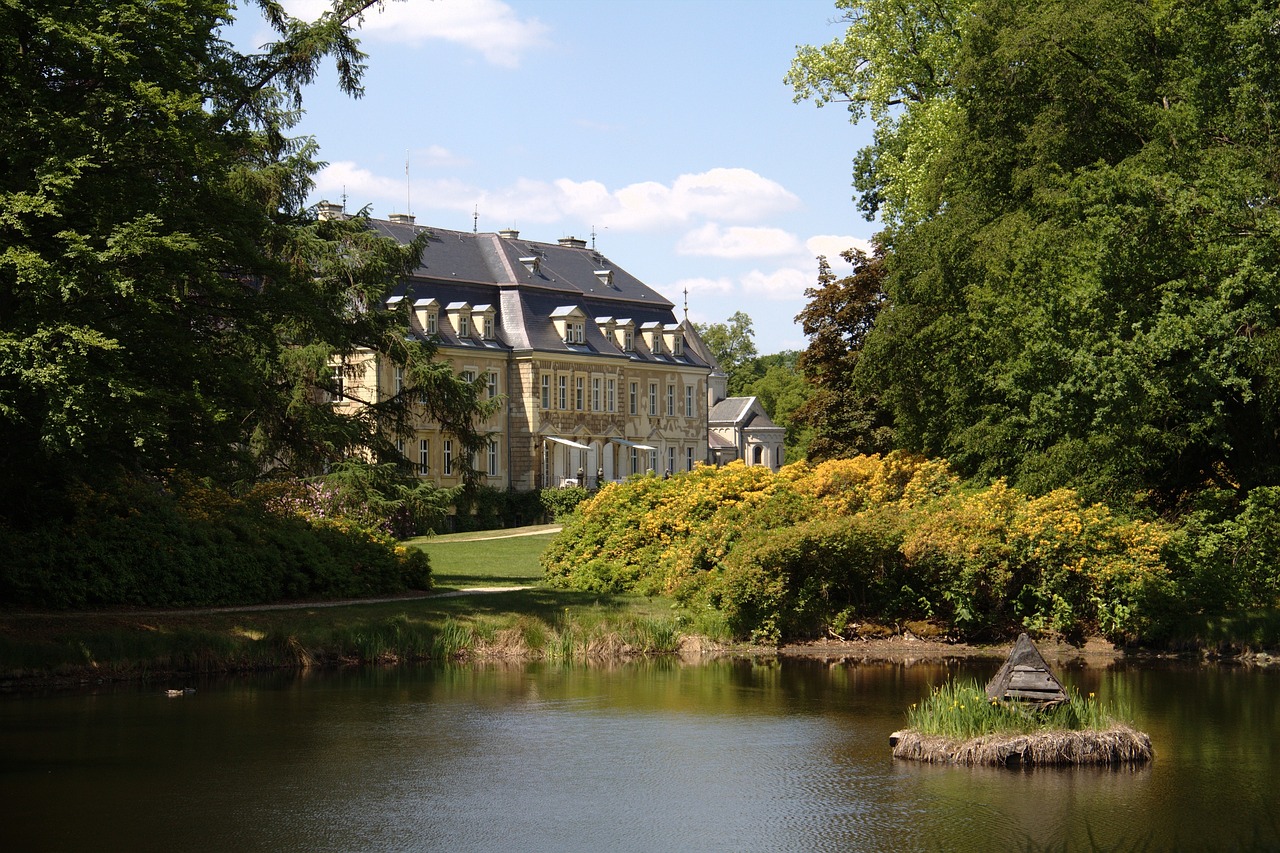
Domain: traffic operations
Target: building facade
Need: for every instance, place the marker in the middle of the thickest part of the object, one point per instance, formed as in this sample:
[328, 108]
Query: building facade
[587, 363]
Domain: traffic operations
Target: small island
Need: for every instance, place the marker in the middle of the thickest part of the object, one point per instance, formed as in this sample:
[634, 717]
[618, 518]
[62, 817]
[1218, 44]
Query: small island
[1024, 718]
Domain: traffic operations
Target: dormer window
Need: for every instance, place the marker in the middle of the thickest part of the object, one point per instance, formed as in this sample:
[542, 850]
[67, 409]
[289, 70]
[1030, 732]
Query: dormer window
[532, 264]
[653, 337]
[460, 317]
[427, 312]
[624, 335]
[674, 340]
[483, 318]
[571, 324]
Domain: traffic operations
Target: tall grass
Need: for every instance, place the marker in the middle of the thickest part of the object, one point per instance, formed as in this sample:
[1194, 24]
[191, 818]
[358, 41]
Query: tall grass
[960, 710]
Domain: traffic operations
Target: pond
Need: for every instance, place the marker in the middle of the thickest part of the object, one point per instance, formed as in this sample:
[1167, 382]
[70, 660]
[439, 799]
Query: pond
[731, 755]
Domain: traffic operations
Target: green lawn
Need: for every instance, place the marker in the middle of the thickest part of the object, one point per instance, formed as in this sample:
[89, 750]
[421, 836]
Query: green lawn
[469, 560]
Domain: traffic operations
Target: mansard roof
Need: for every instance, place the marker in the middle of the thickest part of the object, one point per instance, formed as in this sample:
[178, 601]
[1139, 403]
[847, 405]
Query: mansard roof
[487, 268]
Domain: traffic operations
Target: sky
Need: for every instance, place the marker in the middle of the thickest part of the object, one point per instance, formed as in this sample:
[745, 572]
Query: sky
[661, 130]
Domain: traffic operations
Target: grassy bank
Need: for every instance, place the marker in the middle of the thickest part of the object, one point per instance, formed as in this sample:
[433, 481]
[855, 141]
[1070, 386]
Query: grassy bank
[532, 622]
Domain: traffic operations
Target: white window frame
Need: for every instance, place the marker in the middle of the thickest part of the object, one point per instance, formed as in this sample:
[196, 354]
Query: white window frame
[688, 401]
[653, 399]
[563, 389]
[424, 457]
[635, 394]
[611, 396]
[671, 400]
[448, 457]
[493, 458]
[493, 384]
[595, 393]
[580, 392]
[546, 390]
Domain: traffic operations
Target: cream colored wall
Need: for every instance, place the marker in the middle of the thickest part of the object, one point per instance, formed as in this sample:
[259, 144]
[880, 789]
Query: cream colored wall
[521, 423]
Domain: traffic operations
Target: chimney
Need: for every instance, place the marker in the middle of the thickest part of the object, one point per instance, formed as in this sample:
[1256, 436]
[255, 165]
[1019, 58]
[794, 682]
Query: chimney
[509, 233]
[327, 210]
[401, 218]
[572, 242]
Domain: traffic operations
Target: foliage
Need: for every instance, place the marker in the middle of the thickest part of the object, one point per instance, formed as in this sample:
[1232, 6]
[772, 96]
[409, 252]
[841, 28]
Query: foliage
[166, 301]
[381, 497]
[560, 502]
[804, 551]
[733, 346]
[489, 508]
[843, 416]
[782, 391]
[197, 546]
[1080, 255]
[895, 64]
[1228, 552]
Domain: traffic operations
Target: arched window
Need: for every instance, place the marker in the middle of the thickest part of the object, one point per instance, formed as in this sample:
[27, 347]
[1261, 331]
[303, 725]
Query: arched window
[757, 455]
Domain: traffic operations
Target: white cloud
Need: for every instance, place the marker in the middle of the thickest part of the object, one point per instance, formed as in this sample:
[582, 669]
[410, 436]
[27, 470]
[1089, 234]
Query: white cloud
[702, 286]
[489, 27]
[358, 183]
[737, 242]
[781, 284]
[832, 245]
[438, 156]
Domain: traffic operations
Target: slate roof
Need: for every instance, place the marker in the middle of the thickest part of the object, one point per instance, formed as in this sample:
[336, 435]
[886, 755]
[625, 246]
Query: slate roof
[485, 268]
[742, 412]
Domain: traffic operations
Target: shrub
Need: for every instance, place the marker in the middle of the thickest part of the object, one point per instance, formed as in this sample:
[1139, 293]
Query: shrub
[195, 546]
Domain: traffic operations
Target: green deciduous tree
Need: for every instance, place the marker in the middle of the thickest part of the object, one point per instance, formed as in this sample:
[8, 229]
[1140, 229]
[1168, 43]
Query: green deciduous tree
[166, 302]
[734, 347]
[1091, 297]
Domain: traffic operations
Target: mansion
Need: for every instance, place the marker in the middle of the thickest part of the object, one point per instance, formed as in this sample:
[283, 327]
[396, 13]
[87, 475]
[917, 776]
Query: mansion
[595, 378]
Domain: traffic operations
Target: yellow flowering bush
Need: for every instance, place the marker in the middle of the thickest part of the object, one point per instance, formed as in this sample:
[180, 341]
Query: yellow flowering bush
[798, 552]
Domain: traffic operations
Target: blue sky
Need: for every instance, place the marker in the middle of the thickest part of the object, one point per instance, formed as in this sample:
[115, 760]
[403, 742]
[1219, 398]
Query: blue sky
[662, 126]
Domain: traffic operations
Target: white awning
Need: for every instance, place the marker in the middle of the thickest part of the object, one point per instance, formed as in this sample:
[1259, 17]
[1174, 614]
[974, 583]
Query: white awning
[626, 443]
[566, 442]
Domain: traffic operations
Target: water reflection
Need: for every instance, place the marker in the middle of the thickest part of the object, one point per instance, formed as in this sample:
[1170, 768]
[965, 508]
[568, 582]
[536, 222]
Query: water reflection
[731, 755]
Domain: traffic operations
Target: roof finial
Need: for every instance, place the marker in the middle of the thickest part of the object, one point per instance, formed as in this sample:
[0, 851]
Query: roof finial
[475, 220]
[686, 304]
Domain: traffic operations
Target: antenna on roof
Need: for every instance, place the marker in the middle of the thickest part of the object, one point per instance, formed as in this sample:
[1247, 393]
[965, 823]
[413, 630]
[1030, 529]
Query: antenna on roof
[344, 198]
[408, 207]
[593, 238]
[475, 220]
[686, 304]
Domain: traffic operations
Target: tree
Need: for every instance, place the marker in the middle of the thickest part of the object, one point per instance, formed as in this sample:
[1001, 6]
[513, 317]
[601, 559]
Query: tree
[782, 390]
[1092, 297]
[844, 418]
[166, 301]
[733, 346]
[895, 64]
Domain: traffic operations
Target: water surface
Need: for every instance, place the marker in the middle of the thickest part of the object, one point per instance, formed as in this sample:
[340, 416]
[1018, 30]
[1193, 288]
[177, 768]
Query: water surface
[725, 756]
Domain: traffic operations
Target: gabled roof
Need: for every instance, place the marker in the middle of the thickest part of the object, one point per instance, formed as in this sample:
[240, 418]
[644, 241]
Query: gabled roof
[740, 412]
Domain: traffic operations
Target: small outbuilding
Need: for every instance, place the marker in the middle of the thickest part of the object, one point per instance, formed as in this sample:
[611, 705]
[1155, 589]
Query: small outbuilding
[1026, 678]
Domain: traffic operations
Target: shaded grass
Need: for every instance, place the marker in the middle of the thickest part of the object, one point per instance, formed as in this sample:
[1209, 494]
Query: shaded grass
[539, 623]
